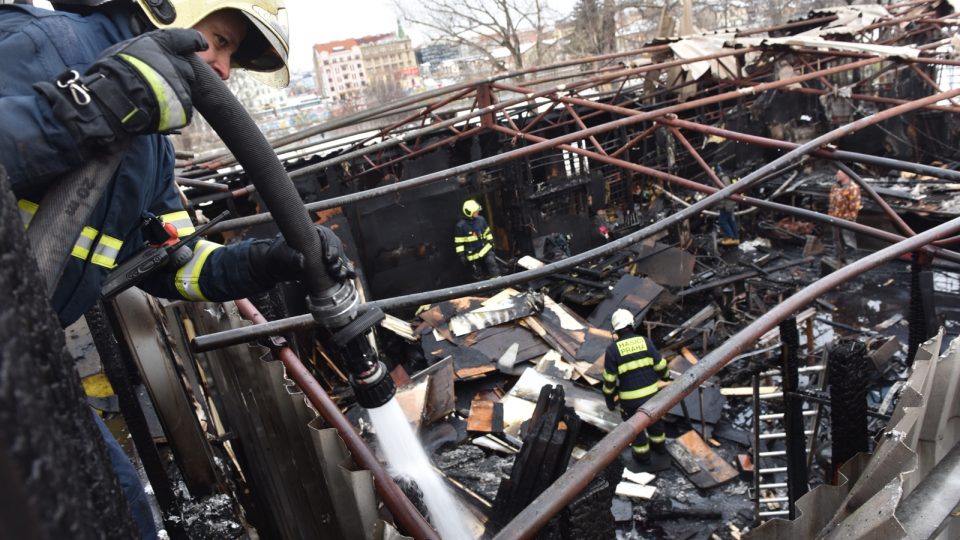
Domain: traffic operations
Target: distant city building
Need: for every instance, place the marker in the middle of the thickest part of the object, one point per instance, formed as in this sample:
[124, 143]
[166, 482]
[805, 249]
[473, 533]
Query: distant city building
[390, 63]
[339, 70]
[381, 66]
[439, 59]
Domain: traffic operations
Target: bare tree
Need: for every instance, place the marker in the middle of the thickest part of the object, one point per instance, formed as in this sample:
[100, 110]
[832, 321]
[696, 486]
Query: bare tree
[484, 26]
[594, 27]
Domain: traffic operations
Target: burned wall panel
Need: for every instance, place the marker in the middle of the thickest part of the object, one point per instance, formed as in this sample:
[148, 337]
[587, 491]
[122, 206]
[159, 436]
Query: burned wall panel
[406, 240]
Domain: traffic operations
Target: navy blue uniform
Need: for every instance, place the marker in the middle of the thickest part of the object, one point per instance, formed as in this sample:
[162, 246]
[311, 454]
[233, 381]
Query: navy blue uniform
[474, 242]
[631, 368]
[38, 45]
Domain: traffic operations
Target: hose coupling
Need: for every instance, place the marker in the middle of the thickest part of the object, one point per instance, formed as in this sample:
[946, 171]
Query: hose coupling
[336, 306]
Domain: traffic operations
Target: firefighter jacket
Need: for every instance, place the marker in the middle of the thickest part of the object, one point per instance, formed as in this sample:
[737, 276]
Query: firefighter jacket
[35, 148]
[632, 366]
[473, 238]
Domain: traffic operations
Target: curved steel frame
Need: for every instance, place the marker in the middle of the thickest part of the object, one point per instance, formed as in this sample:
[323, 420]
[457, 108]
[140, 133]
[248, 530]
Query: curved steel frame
[241, 335]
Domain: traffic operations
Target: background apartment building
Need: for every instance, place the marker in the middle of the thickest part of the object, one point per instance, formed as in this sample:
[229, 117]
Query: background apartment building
[390, 64]
[339, 70]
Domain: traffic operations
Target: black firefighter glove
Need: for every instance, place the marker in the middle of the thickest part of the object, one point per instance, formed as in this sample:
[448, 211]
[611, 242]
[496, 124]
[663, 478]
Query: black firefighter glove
[273, 261]
[611, 402]
[141, 85]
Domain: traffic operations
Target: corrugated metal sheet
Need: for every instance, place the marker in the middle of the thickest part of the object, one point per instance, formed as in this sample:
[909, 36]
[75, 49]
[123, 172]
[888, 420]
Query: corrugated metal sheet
[850, 20]
[298, 468]
[924, 428]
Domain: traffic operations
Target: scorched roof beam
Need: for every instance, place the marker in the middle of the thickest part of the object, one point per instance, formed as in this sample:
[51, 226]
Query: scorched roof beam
[242, 335]
[631, 117]
[769, 205]
[832, 154]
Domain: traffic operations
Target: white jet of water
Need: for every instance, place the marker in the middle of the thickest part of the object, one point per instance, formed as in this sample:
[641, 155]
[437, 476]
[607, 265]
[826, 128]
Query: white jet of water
[406, 457]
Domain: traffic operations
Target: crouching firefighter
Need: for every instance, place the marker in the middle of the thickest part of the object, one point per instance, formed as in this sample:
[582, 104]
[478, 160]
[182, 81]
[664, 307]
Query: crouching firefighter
[473, 243]
[631, 368]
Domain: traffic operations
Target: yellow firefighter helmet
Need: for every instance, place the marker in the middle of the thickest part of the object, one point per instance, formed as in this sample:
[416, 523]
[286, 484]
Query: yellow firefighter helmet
[263, 52]
[470, 207]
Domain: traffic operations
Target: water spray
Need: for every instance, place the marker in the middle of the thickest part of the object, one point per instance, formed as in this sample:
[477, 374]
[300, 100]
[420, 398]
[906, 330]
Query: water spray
[406, 458]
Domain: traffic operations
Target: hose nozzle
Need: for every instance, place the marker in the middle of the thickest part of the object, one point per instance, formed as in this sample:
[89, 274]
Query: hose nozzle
[368, 375]
[373, 388]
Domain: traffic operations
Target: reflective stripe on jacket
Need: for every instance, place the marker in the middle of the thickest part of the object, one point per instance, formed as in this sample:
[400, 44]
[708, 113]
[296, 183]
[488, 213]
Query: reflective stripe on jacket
[472, 238]
[632, 366]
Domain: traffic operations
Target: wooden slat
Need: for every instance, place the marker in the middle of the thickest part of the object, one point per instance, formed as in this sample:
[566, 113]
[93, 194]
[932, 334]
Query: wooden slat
[741, 391]
[699, 462]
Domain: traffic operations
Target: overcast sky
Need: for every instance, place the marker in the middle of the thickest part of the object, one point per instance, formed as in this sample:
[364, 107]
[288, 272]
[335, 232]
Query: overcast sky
[313, 21]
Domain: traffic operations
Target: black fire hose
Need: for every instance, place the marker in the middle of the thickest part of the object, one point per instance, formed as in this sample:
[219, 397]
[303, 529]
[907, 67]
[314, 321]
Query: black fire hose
[332, 304]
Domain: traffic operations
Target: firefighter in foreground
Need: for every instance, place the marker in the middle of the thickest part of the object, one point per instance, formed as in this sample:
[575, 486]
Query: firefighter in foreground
[474, 243]
[631, 368]
[75, 82]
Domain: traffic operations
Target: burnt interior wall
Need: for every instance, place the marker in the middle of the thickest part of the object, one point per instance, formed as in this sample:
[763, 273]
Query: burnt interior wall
[405, 240]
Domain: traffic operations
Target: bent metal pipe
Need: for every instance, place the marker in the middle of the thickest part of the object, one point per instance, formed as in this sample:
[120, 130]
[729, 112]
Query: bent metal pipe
[242, 335]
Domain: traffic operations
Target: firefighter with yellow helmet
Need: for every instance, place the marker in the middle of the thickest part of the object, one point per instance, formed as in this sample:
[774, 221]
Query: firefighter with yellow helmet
[78, 79]
[473, 242]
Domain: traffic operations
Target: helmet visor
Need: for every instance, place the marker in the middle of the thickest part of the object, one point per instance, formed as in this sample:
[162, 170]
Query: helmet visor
[263, 53]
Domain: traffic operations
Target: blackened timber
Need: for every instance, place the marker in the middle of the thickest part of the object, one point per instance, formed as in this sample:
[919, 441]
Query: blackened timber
[848, 368]
[742, 276]
[547, 443]
[116, 370]
[793, 415]
[63, 483]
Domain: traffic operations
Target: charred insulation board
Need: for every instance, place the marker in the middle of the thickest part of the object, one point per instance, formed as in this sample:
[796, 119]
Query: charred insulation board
[631, 293]
[668, 266]
[518, 404]
[511, 309]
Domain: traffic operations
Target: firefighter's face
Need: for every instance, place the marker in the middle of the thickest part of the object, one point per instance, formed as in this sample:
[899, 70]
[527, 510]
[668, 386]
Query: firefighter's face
[224, 30]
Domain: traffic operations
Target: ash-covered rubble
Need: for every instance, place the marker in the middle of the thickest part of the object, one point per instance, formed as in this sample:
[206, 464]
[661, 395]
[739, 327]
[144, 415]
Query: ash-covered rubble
[471, 371]
[213, 517]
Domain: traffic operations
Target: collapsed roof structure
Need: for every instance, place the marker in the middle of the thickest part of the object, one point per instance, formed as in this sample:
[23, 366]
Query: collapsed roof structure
[590, 166]
[550, 148]
[561, 149]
